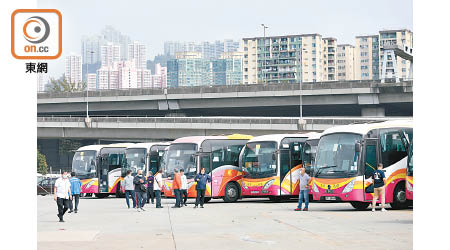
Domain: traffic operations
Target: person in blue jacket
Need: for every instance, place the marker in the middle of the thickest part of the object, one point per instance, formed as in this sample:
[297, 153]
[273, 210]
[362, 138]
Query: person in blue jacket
[75, 189]
[201, 180]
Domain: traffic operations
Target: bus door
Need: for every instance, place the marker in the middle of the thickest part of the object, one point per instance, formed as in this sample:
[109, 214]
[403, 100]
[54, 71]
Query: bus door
[371, 159]
[285, 171]
[206, 162]
[154, 158]
[103, 173]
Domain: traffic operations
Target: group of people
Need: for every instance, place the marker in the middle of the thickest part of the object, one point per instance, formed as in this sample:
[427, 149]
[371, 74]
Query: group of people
[379, 184]
[67, 188]
[142, 189]
[180, 188]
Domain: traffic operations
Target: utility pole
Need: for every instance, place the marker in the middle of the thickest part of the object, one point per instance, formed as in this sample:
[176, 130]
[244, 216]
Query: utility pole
[87, 119]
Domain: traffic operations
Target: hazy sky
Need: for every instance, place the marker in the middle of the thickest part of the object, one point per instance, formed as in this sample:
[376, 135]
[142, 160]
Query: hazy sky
[153, 22]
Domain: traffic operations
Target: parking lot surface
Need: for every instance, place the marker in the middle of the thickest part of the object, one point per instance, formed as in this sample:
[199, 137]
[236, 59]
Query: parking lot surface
[247, 224]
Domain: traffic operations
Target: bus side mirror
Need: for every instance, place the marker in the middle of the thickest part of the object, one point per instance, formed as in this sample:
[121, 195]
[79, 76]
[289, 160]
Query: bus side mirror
[92, 163]
[142, 160]
[357, 147]
[274, 156]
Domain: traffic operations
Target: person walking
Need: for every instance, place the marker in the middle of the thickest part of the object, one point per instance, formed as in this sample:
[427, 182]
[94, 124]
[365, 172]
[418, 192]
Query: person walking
[157, 186]
[183, 191]
[305, 181]
[129, 189]
[379, 183]
[62, 194]
[150, 193]
[139, 189]
[201, 180]
[176, 188]
[75, 188]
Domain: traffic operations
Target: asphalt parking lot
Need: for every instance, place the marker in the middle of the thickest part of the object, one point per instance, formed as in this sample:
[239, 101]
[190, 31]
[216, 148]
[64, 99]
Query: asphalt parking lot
[247, 224]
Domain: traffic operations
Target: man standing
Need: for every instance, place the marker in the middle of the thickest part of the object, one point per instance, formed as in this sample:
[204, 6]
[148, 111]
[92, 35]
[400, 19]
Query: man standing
[62, 195]
[379, 182]
[129, 189]
[305, 181]
[75, 187]
[157, 186]
[201, 180]
[183, 190]
[150, 193]
[176, 188]
[139, 189]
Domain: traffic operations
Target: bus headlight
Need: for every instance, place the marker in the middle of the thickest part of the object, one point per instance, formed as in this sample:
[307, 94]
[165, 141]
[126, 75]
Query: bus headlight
[409, 186]
[268, 184]
[349, 186]
[315, 188]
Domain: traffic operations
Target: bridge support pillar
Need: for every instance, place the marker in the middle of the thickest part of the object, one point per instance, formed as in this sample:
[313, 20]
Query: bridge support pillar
[372, 112]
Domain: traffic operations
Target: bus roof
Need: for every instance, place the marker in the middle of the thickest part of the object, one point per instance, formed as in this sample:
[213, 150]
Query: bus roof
[199, 139]
[91, 147]
[314, 136]
[148, 145]
[279, 137]
[364, 128]
[119, 145]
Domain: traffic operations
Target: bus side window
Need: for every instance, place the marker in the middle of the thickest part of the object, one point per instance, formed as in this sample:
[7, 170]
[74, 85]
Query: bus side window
[392, 148]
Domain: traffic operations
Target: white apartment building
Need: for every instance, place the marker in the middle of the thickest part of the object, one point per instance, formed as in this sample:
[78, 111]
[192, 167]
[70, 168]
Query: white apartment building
[345, 62]
[367, 57]
[402, 38]
[92, 81]
[329, 59]
[138, 52]
[73, 68]
[109, 53]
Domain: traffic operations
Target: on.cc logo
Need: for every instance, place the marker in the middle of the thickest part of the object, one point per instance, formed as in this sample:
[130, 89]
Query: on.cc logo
[36, 29]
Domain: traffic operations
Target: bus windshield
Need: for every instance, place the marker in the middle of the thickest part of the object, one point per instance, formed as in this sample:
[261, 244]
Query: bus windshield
[336, 156]
[259, 159]
[134, 160]
[84, 164]
[180, 156]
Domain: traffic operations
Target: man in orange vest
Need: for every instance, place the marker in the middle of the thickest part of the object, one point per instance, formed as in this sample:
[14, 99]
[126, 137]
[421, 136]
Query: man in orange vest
[176, 188]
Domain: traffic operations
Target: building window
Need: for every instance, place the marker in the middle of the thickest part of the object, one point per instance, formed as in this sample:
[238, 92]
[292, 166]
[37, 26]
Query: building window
[314, 45]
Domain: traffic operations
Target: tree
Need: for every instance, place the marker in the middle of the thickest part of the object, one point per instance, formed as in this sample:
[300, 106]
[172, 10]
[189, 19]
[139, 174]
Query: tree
[62, 85]
[42, 166]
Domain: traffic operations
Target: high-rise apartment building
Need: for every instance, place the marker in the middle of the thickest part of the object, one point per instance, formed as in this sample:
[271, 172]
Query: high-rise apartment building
[403, 38]
[89, 45]
[92, 81]
[138, 52]
[367, 60]
[233, 62]
[329, 59]
[110, 53]
[110, 34]
[279, 59]
[73, 70]
[210, 50]
[345, 62]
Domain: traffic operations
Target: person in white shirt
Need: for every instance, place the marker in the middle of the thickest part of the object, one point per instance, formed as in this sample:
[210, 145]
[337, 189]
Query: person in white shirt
[62, 194]
[184, 192]
[157, 186]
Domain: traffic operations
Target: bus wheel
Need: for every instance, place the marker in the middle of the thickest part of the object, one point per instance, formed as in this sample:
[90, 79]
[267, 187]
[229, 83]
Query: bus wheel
[100, 196]
[207, 199]
[231, 192]
[399, 199]
[360, 205]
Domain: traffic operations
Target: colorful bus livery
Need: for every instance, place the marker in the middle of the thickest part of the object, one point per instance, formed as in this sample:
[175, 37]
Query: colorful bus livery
[409, 174]
[348, 155]
[85, 164]
[271, 165]
[219, 155]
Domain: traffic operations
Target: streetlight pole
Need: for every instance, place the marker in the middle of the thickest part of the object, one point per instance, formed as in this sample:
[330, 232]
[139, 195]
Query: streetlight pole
[264, 51]
[87, 85]
[301, 122]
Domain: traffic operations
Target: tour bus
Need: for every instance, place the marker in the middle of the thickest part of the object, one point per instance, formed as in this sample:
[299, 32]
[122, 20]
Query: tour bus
[271, 165]
[409, 174]
[348, 155]
[143, 156]
[84, 164]
[219, 155]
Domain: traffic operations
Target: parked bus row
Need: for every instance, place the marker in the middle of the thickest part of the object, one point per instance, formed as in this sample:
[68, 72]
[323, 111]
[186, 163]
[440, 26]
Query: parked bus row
[340, 160]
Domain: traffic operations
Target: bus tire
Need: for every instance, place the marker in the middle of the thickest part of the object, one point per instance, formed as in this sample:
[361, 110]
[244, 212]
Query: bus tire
[231, 192]
[399, 197]
[358, 205]
[101, 196]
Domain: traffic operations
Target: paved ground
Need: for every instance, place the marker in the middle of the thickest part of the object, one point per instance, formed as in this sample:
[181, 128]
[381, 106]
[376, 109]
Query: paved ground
[247, 224]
